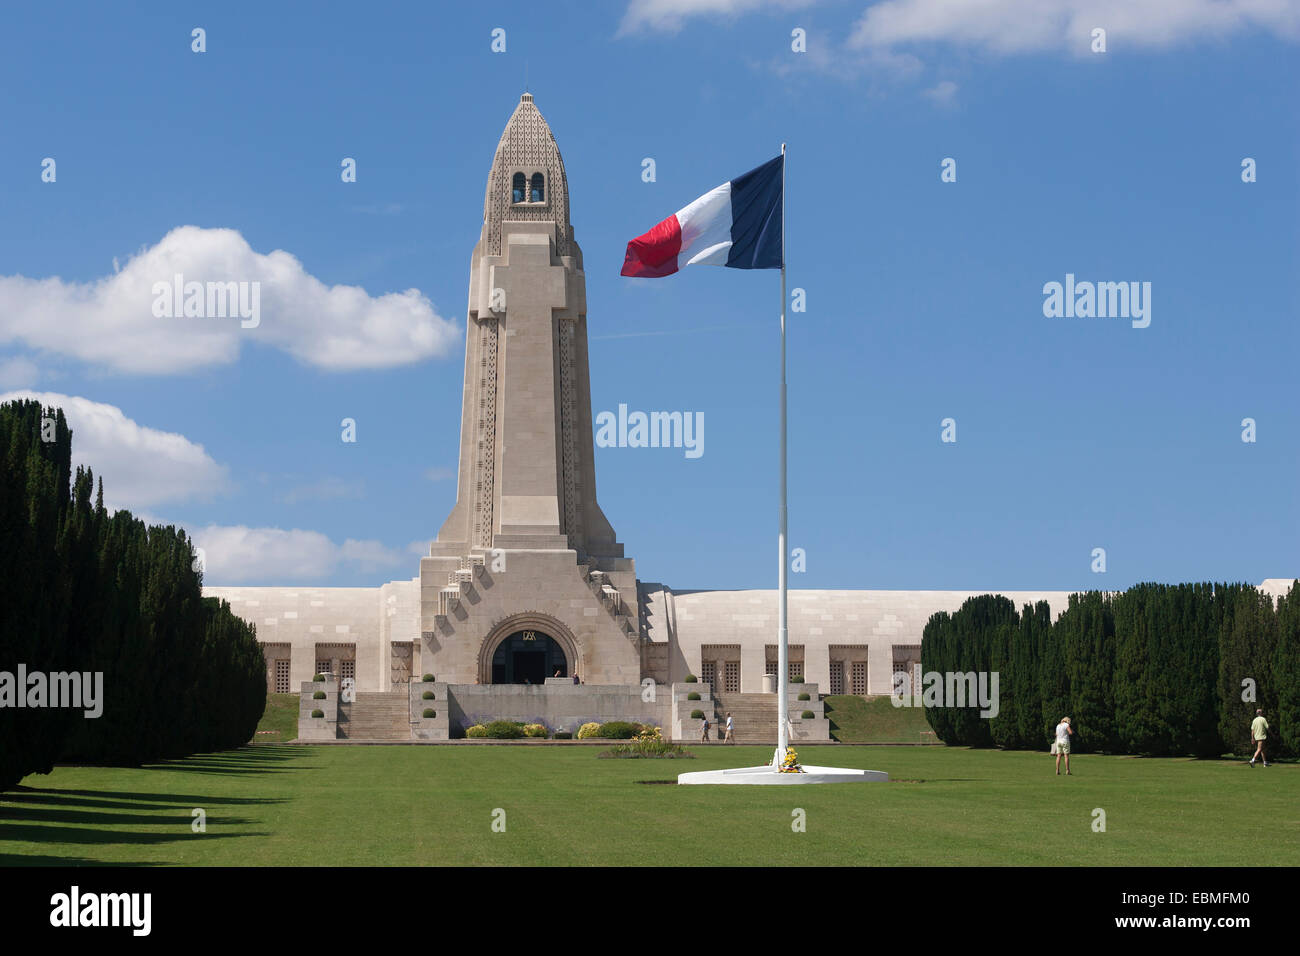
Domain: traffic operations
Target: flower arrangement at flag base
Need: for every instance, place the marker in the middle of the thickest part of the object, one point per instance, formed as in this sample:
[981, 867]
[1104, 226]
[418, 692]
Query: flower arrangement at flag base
[782, 770]
[791, 762]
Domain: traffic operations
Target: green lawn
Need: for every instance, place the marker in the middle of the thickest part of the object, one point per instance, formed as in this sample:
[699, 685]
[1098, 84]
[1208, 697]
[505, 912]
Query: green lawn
[411, 805]
[858, 720]
[279, 721]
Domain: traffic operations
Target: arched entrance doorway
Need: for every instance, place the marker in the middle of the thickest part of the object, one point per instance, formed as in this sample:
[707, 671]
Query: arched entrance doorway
[550, 640]
[528, 656]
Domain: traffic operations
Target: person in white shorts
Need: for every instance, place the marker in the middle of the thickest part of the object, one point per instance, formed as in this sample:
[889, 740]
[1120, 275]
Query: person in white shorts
[1063, 732]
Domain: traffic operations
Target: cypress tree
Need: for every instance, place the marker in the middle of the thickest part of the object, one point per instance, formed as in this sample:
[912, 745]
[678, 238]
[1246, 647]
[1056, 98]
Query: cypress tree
[1005, 726]
[936, 645]
[1186, 676]
[1027, 679]
[1248, 639]
[976, 628]
[1286, 673]
[179, 673]
[1086, 633]
[34, 473]
[1053, 678]
[1137, 618]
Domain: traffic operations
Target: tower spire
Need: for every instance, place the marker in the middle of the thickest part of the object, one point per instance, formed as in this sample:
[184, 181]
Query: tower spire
[527, 470]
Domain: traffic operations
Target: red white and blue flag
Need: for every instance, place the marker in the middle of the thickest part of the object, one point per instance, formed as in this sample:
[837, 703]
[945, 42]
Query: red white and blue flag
[737, 225]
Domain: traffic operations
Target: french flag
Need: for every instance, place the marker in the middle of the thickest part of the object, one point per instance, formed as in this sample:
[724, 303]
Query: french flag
[738, 225]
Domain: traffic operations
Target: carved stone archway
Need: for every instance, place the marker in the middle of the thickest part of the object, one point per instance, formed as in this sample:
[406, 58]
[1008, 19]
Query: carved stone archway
[525, 621]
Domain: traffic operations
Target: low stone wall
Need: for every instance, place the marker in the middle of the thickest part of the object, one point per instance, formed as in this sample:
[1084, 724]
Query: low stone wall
[318, 728]
[558, 706]
[685, 727]
[437, 727]
[814, 729]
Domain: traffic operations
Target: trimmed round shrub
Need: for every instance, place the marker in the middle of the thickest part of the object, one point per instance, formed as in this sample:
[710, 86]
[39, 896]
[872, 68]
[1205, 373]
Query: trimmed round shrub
[428, 678]
[430, 712]
[504, 730]
[535, 730]
[807, 715]
[319, 695]
[619, 730]
[697, 715]
[427, 695]
[805, 697]
[563, 735]
[318, 713]
[477, 730]
[692, 696]
[319, 677]
[691, 679]
[796, 680]
[589, 730]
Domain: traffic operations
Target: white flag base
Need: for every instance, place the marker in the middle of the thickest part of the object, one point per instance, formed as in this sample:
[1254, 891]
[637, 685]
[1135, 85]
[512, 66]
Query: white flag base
[771, 776]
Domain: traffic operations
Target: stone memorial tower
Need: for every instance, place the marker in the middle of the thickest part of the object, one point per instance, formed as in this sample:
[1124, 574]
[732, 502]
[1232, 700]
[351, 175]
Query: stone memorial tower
[526, 577]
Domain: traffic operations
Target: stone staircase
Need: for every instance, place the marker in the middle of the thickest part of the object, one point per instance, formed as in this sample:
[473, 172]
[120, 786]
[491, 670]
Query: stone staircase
[376, 716]
[754, 716]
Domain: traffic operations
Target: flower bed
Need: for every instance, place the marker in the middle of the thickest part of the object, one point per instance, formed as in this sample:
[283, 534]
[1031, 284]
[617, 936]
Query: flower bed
[648, 744]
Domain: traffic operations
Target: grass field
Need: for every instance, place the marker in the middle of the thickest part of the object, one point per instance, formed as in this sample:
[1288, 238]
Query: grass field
[876, 720]
[409, 805]
[279, 723]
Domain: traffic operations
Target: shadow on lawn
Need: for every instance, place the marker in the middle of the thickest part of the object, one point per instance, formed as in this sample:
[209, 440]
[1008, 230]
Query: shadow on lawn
[129, 799]
[50, 833]
[49, 816]
[11, 859]
[75, 817]
[246, 759]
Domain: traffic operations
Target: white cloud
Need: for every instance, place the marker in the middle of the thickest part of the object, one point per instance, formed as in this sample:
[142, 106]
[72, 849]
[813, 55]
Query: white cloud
[439, 473]
[18, 372]
[236, 554]
[1028, 26]
[670, 15]
[110, 322]
[942, 92]
[141, 467]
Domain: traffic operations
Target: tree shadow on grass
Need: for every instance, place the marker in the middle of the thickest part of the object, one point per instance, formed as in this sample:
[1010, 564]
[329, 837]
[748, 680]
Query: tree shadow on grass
[54, 818]
[93, 817]
[51, 833]
[256, 760]
[13, 859]
[239, 761]
[103, 799]
[51, 818]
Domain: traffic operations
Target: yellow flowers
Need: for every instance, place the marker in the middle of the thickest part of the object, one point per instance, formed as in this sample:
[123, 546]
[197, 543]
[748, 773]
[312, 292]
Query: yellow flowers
[791, 762]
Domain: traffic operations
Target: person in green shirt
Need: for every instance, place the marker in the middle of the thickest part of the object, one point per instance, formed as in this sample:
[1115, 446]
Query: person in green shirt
[1259, 732]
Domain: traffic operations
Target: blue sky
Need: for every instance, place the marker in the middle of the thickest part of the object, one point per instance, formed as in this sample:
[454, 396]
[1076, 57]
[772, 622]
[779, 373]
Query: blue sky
[924, 298]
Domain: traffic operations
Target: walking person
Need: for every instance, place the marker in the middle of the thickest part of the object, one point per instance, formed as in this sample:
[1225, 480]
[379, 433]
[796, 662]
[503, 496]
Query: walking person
[1062, 746]
[704, 731]
[730, 738]
[1259, 733]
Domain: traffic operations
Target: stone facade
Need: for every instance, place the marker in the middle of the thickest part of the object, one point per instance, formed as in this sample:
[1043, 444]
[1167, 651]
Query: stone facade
[527, 554]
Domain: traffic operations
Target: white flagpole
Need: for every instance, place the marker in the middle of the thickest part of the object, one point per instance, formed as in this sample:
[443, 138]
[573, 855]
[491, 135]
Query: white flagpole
[783, 653]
